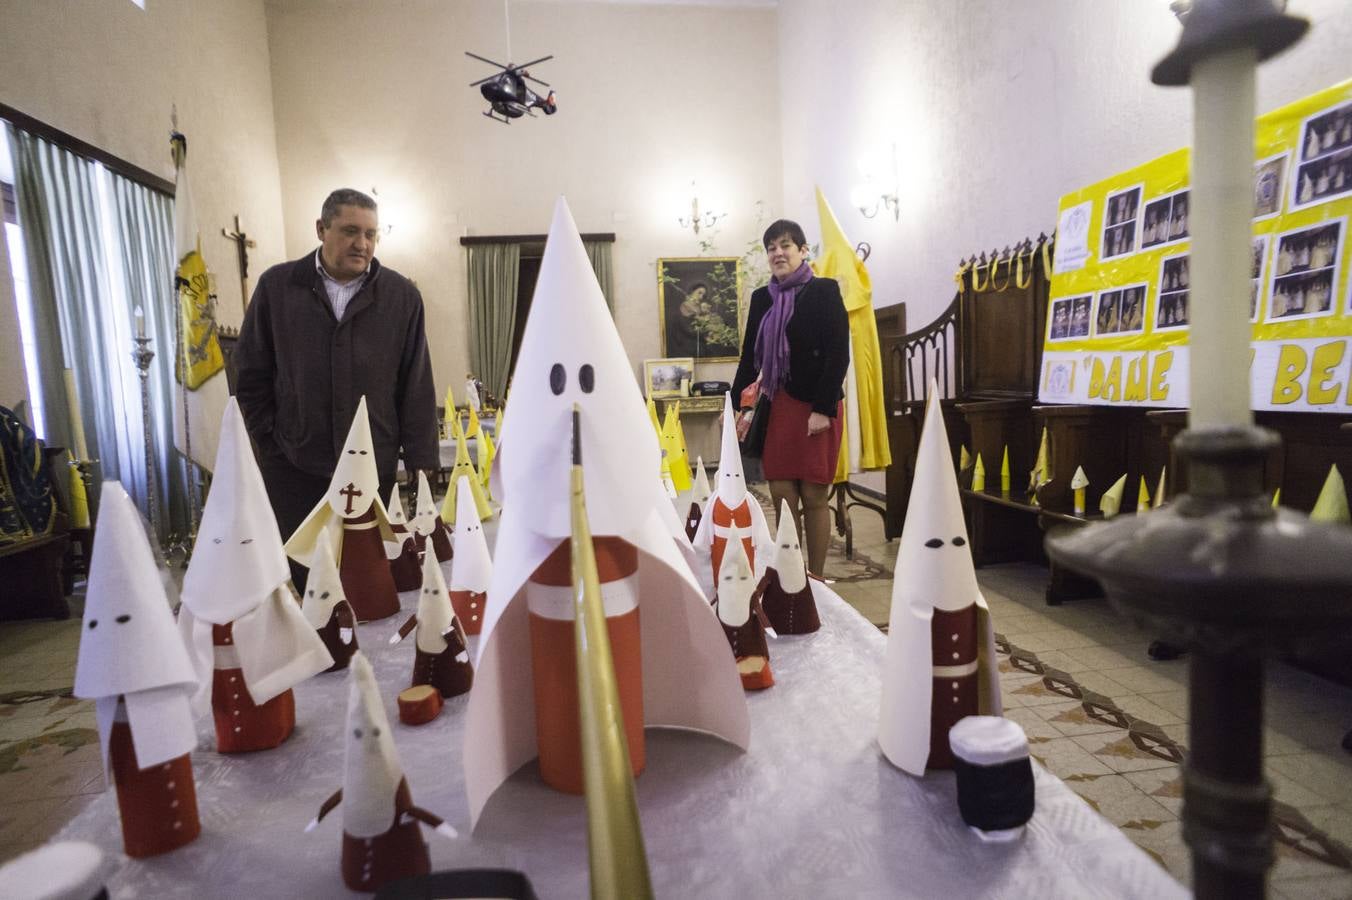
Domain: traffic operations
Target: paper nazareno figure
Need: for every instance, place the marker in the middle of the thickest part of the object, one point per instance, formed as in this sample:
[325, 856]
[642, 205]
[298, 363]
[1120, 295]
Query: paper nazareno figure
[134, 667]
[326, 608]
[1143, 497]
[442, 655]
[744, 621]
[1160, 487]
[1005, 474]
[487, 451]
[382, 840]
[1111, 501]
[978, 474]
[1331, 505]
[673, 441]
[353, 498]
[731, 504]
[427, 525]
[463, 468]
[406, 561]
[246, 634]
[699, 495]
[1042, 467]
[1078, 482]
[786, 592]
[671, 660]
[940, 664]
[472, 569]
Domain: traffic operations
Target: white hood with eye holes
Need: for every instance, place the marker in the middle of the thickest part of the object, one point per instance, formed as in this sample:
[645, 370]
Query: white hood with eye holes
[372, 769]
[788, 555]
[731, 481]
[735, 585]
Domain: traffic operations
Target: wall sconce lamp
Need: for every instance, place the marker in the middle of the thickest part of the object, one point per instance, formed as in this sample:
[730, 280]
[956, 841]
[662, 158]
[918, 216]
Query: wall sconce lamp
[696, 220]
[875, 195]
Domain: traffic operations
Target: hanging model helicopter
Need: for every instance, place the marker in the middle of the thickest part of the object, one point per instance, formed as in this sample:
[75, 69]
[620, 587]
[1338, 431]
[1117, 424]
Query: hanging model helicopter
[507, 93]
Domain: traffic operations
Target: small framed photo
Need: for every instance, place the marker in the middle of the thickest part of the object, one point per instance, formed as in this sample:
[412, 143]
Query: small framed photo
[1119, 223]
[1121, 311]
[1304, 270]
[1269, 185]
[1069, 318]
[1165, 220]
[1171, 310]
[697, 301]
[668, 377]
[1260, 247]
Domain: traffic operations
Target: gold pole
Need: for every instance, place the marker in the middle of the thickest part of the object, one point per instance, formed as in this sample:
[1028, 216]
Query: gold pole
[619, 864]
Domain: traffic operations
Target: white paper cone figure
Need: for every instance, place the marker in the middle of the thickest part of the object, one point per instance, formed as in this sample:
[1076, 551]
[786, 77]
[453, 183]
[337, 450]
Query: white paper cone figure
[248, 637]
[428, 525]
[672, 664]
[381, 838]
[472, 568]
[442, 649]
[134, 667]
[786, 591]
[731, 505]
[326, 609]
[353, 497]
[940, 664]
[404, 556]
[743, 620]
[699, 496]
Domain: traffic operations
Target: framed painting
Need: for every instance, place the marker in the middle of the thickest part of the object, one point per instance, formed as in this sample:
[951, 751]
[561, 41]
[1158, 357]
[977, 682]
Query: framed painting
[697, 307]
[668, 377]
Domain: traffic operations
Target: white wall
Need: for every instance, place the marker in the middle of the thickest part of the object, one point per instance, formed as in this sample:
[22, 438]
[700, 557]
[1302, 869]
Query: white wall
[997, 109]
[649, 97]
[108, 73]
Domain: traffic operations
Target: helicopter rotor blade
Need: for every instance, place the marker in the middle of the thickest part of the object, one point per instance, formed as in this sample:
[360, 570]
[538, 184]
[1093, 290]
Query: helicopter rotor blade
[487, 60]
[483, 80]
[533, 62]
[537, 81]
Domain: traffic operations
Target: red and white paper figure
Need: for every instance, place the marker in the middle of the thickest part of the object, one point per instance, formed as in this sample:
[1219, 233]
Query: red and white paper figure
[744, 622]
[731, 504]
[405, 560]
[353, 498]
[134, 667]
[786, 591]
[671, 659]
[326, 608]
[472, 568]
[441, 658]
[940, 664]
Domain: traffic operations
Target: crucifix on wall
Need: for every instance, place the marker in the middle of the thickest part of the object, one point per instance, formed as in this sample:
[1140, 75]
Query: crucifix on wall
[242, 244]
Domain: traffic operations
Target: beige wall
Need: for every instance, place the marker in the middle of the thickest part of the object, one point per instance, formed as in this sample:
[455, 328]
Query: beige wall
[109, 73]
[997, 109]
[649, 97]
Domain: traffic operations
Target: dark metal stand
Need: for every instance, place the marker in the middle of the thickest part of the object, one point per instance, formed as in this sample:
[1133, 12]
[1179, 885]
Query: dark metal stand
[845, 499]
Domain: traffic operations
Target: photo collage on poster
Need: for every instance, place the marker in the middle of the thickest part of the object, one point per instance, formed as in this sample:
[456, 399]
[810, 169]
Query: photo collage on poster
[1119, 229]
[1121, 310]
[1269, 179]
[1324, 170]
[1172, 308]
[1069, 318]
[1165, 220]
[1305, 271]
[1260, 248]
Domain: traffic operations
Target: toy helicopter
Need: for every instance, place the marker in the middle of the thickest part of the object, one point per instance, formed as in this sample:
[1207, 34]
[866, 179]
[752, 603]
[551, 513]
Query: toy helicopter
[507, 93]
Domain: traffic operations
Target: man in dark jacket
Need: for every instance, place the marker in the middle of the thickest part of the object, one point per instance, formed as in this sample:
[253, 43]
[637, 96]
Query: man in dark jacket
[321, 333]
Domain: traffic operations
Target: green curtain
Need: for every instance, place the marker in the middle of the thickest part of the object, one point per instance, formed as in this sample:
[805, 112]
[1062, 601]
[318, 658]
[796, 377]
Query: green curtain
[599, 254]
[493, 271]
[83, 300]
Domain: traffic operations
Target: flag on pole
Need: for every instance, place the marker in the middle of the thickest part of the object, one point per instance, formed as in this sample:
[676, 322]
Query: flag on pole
[864, 440]
[202, 395]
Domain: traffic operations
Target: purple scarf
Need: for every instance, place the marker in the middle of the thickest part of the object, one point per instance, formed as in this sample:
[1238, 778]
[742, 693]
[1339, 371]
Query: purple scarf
[772, 341]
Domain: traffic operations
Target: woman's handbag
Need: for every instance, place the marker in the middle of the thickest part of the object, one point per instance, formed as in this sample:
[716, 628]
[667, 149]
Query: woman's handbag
[752, 426]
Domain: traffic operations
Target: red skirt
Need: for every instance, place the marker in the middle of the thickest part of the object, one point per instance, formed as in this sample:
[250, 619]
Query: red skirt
[790, 455]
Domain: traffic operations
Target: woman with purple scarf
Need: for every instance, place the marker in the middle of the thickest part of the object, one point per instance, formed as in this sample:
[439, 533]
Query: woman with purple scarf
[797, 343]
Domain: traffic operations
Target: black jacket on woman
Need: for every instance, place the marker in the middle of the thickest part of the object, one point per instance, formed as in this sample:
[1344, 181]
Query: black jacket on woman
[819, 345]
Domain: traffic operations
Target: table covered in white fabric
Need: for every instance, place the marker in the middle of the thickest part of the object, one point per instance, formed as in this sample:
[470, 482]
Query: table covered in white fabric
[812, 810]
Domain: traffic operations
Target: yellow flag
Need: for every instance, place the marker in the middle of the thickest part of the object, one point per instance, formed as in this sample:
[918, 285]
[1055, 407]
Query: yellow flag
[672, 438]
[79, 497]
[839, 261]
[1332, 503]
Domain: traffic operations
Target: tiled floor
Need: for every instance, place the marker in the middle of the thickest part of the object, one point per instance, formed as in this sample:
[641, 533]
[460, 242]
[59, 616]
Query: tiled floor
[1098, 713]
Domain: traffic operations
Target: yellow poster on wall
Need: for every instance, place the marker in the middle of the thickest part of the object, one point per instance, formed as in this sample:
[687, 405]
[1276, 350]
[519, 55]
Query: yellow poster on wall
[1117, 322]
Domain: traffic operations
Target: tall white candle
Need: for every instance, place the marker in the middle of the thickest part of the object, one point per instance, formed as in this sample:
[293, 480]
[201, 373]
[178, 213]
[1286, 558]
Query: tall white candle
[77, 433]
[140, 323]
[1222, 210]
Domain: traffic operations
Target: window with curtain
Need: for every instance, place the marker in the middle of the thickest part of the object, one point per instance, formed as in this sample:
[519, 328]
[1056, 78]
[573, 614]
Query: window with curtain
[97, 248]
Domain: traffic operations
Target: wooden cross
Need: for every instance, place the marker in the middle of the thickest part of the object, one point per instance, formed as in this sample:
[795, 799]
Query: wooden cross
[242, 244]
[349, 492]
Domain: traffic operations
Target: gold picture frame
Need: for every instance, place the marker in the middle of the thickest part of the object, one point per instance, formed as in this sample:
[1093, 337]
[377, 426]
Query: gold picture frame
[668, 377]
[698, 306]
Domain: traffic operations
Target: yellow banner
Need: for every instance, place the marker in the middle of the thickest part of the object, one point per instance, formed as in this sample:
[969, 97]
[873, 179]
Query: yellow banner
[1117, 321]
[201, 343]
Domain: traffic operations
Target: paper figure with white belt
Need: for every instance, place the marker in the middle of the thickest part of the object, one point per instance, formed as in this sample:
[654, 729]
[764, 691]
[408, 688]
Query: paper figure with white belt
[353, 499]
[244, 630]
[472, 568]
[731, 504]
[940, 664]
[671, 660]
[382, 841]
[132, 664]
[441, 658]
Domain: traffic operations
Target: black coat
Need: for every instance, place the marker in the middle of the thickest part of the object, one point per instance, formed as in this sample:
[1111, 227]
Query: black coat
[301, 372]
[819, 345]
